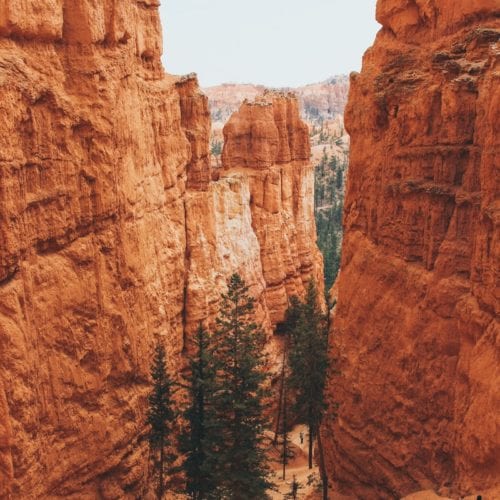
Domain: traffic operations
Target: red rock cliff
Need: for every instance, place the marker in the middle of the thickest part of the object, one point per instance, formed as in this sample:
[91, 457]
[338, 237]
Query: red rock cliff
[268, 142]
[416, 326]
[112, 232]
[96, 147]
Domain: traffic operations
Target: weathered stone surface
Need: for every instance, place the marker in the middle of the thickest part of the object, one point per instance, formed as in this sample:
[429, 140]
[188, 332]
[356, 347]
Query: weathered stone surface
[93, 157]
[196, 122]
[112, 232]
[269, 143]
[416, 326]
[220, 240]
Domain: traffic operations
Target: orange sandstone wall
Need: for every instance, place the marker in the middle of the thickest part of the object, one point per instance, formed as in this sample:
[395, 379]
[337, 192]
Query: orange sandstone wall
[258, 216]
[416, 327]
[93, 157]
[112, 232]
[267, 141]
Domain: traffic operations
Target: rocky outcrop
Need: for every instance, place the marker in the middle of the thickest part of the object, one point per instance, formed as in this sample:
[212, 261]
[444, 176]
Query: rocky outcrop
[268, 142]
[112, 234]
[321, 107]
[320, 101]
[220, 239]
[416, 326]
[257, 217]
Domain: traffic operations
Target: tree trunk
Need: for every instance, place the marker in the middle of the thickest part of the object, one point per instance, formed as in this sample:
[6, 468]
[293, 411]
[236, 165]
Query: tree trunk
[322, 467]
[160, 479]
[311, 437]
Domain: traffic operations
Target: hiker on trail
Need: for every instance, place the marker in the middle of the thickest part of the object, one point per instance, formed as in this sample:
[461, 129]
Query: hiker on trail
[301, 437]
[295, 487]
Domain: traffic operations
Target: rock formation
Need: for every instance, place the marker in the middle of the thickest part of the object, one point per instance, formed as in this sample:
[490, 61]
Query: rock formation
[113, 232]
[269, 143]
[94, 153]
[321, 107]
[320, 101]
[416, 326]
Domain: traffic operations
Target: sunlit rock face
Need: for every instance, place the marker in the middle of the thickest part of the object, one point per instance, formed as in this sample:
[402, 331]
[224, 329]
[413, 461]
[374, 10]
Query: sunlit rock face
[114, 233]
[93, 157]
[416, 326]
[319, 101]
[268, 142]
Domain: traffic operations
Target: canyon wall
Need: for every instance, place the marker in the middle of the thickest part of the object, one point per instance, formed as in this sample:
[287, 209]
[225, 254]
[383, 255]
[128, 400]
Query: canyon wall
[416, 328]
[113, 232]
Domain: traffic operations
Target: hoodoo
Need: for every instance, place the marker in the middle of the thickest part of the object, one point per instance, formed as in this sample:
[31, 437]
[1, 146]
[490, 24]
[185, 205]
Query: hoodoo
[269, 143]
[416, 326]
[112, 232]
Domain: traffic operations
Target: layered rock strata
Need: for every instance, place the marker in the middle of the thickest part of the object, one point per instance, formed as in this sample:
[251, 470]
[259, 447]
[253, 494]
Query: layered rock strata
[416, 327]
[112, 234]
[268, 142]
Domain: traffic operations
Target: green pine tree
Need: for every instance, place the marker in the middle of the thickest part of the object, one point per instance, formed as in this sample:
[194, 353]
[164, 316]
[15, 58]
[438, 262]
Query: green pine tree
[198, 440]
[286, 452]
[309, 361]
[160, 417]
[282, 416]
[216, 147]
[339, 179]
[294, 490]
[240, 391]
[333, 162]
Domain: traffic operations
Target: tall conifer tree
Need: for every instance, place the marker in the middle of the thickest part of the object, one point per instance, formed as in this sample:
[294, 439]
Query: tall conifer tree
[160, 417]
[240, 391]
[309, 361]
[198, 440]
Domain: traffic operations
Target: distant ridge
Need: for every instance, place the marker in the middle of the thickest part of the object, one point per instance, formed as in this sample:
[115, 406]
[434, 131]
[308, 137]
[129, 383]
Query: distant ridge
[319, 101]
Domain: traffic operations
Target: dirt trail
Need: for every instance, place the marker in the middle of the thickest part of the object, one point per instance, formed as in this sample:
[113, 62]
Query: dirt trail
[298, 467]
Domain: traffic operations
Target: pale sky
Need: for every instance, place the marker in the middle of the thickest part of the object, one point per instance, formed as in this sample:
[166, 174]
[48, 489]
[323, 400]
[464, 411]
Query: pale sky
[278, 43]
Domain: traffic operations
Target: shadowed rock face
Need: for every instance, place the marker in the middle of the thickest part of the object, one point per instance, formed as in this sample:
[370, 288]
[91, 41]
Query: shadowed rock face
[416, 326]
[111, 232]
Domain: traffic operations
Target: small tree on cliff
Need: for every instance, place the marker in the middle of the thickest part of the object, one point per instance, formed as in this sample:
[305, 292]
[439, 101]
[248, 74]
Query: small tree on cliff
[339, 180]
[160, 417]
[199, 439]
[309, 361]
[240, 389]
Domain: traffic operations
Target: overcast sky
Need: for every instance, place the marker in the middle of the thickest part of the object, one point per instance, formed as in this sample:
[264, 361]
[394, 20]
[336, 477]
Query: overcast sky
[273, 42]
